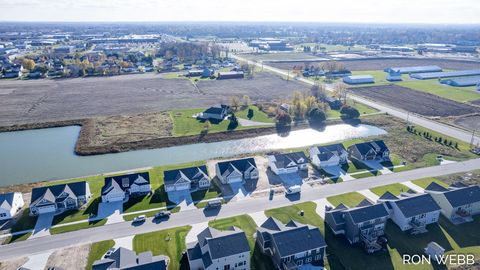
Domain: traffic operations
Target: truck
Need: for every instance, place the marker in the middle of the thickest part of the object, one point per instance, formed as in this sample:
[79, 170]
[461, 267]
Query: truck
[294, 189]
[216, 203]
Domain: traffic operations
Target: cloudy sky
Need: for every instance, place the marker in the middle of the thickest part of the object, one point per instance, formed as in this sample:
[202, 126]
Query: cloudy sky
[392, 11]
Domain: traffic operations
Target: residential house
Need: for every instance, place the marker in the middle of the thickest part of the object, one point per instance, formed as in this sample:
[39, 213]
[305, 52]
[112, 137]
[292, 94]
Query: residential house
[288, 162]
[225, 250]
[125, 259]
[122, 187]
[191, 178]
[412, 211]
[217, 112]
[291, 245]
[364, 223]
[328, 155]
[458, 203]
[376, 150]
[236, 171]
[10, 204]
[59, 198]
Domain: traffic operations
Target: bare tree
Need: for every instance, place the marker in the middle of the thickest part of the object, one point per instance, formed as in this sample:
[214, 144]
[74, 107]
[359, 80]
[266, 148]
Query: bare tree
[340, 91]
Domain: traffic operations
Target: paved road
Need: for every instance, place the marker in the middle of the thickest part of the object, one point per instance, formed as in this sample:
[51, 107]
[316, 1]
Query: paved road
[252, 205]
[397, 112]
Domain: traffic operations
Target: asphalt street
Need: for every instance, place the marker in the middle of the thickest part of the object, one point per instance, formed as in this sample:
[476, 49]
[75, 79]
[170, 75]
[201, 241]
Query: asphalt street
[245, 206]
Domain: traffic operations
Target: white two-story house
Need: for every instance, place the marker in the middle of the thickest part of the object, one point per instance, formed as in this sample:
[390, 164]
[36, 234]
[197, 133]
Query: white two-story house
[122, 187]
[328, 155]
[288, 162]
[192, 179]
[10, 204]
[59, 198]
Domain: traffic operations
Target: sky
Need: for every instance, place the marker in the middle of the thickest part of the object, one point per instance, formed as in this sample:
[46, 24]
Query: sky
[356, 11]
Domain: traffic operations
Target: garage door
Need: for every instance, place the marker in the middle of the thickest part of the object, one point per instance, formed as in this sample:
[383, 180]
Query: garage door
[46, 209]
[235, 180]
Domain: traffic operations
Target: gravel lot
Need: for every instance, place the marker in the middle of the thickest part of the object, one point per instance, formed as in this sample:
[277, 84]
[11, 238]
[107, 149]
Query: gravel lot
[52, 100]
[415, 101]
[380, 64]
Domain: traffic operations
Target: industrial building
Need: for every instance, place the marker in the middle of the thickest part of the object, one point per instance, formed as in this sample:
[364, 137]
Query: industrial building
[358, 79]
[447, 74]
[417, 69]
[462, 81]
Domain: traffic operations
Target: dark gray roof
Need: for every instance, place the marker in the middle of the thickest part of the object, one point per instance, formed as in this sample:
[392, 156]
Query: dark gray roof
[240, 164]
[123, 182]
[364, 202]
[416, 205]
[363, 148]
[192, 173]
[8, 199]
[217, 109]
[463, 196]
[361, 214]
[228, 243]
[294, 238]
[325, 156]
[125, 259]
[458, 184]
[435, 187]
[331, 148]
[388, 196]
[283, 160]
[52, 194]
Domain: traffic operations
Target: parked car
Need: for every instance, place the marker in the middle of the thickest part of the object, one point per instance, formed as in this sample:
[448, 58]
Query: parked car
[109, 253]
[162, 214]
[139, 219]
[294, 189]
[217, 203]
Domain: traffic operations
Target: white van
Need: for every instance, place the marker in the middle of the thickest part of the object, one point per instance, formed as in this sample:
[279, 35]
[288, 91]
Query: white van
[294, 189]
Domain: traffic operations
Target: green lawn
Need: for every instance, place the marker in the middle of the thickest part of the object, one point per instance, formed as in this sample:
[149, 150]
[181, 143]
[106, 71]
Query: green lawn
[351, 199]
[245, 223]
[424, 182]
[395, 189]
[287, 213]
[17, 238]
[258, 115]
[97, 250]
[460, 94]
[169, 242]
[77, 226]
[25, 222]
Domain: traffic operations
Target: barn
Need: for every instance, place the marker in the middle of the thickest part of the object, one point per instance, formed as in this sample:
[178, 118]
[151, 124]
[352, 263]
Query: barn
[448, 74]
[416, 69]
[462, 81]
[394, 77]
[358, 79]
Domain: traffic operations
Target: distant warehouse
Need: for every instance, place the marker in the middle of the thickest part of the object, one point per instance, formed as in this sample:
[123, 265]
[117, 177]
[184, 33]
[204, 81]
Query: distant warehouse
[230, 75]
[462, 81]
[358, 79]
[418, 69]
[448, 74]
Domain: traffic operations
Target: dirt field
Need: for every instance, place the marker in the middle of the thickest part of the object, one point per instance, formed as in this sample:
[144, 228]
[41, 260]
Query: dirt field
[13, 264]
[470, 122]
[54, 100]
[73, 258]
[415, 101]
[133, 128]
[380, 64]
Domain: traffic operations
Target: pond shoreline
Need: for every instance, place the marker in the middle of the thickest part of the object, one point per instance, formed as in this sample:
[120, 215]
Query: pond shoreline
[83, 146]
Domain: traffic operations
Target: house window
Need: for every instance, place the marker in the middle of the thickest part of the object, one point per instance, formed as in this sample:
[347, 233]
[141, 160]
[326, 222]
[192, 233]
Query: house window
[318, 257]
[3, 215]
[308, 260]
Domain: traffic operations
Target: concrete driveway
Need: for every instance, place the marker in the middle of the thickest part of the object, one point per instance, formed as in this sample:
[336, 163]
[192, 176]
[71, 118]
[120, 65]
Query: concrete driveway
[337, 171]
[44, 222]
[111, 210]
[377, 166]
[181, 198]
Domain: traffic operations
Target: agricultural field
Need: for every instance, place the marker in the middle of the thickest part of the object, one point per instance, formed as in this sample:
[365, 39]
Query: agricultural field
[415, 101]
[282, 56]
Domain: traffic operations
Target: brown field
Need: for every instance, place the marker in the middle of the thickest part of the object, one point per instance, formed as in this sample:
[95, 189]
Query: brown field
[380, 64]
[415, 101]
[471, 122]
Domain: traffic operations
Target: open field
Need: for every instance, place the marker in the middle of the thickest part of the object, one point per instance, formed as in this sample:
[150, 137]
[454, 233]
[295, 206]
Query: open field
[460, 94]
[380, 64]
[56, 100]
[395, 189]
[282, 56]
[415, 101]
[471, 122]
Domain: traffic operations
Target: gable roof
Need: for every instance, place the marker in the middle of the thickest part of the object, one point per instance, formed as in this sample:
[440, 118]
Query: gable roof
[388, 196]
[226, 167]
[363, 148]
[364, 202]
[123, 182]
[123, 258]
[224, 243]
[52, 193]
[6, 200]
[294, 237]
[216, 109]
[192, 173]
[284, 160]
[366, 213]
[463, 196]
[416, 205]
[338, 147]
[435, 187]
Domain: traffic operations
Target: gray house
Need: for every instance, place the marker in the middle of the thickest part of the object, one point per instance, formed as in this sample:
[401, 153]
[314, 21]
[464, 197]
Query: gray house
[125, 259]
[59, 198]
[192, 178]
[217, 112]
[291, 245]
[376, 150]
[361, 224]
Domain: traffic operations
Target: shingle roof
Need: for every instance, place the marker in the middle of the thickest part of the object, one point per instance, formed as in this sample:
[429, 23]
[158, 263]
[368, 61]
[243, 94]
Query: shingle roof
[361, 214]
[435, 187]
[378, 146]
[364, 202]
[51, 193]
[388, 196]
[463, 196]
[283, 160]
[192, 173]
[239, 164]
[416, 205]
[117, 182]
[336, 148]
[123, 258]
[227, 243]
[295, 237]
[6, 200]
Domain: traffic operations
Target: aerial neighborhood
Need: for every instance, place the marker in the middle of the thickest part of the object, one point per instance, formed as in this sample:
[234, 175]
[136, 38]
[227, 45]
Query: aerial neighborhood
[238, 145]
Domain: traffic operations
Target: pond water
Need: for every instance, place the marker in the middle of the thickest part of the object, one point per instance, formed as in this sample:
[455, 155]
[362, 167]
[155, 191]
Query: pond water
[47, 154]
